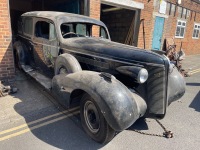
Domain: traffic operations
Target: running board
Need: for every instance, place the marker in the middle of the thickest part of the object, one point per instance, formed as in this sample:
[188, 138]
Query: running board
[41, 79]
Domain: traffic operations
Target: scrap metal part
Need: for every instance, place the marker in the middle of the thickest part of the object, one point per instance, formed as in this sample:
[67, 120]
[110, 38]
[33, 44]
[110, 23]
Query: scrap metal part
[5, 90]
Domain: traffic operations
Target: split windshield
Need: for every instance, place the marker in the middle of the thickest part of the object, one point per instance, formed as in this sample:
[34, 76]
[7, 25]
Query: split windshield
[71, 30]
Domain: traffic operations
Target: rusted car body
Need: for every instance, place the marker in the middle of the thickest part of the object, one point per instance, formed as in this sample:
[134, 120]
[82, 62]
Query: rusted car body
[114, 84]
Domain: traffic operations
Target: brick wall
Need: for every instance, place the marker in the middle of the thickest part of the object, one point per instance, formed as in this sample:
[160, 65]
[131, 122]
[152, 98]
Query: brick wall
[190, 45]
[6, 53]
[95, 13]
[146, 14]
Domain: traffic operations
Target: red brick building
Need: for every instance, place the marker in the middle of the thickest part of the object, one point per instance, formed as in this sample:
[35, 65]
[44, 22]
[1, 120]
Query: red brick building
[143, 23]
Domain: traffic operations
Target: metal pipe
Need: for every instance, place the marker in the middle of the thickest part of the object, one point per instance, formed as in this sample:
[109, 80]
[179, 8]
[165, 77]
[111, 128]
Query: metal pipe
[87, 7]
[142, 20]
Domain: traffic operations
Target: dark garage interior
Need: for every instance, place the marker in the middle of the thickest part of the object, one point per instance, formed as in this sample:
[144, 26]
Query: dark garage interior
[18, 7]
[120, 23]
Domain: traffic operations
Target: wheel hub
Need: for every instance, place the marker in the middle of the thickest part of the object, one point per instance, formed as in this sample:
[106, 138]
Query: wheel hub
[91, 116]
[63, 70]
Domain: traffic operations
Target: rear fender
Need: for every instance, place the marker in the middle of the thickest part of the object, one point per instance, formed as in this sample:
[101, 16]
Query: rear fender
[114, 99]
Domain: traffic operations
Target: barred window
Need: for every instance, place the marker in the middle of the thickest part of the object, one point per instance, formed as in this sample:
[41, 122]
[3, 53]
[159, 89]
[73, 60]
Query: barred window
[196, 31]
[180, 29]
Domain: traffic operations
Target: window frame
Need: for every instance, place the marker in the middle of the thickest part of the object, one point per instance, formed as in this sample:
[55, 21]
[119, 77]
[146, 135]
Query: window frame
[89, 28]
[182, 21]
[101, 27]
[198, 25]
[197, 1]
[23, 26]
[47, 21]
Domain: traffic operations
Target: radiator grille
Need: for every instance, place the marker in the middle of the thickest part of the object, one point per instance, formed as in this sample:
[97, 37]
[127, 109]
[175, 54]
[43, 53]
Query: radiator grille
[156, 90]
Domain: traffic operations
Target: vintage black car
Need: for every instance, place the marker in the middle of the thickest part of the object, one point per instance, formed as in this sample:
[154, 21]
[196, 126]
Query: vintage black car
[114, 84]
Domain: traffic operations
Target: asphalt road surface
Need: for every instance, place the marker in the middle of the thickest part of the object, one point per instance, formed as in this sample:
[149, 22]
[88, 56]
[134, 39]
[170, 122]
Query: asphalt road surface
[31, 120]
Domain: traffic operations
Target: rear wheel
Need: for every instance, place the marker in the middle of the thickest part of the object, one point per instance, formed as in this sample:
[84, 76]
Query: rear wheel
[94, 122]
[17, 61]
[20, 54]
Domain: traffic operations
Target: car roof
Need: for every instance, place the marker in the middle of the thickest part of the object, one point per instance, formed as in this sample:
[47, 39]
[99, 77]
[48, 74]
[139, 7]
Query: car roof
[62, 17]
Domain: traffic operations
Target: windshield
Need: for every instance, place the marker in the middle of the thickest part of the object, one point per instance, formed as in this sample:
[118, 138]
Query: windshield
[71, 30]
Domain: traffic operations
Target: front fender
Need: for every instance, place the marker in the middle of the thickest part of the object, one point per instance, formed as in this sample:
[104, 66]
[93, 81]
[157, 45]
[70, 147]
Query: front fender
[114, 99]
[176, 86]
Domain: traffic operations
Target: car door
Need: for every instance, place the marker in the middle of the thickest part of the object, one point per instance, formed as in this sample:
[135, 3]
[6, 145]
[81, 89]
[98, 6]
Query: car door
[45, 45]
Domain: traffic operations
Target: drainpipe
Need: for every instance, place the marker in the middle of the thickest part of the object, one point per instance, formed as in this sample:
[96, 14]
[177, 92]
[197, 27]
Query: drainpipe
[43, 5]
[136, 27]
[87, 7]
[142, 21]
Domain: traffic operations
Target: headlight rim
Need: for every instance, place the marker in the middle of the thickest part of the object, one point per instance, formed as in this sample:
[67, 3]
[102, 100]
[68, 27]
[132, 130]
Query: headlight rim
[143, 72]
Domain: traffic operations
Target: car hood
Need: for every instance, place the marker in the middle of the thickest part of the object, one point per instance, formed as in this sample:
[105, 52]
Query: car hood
[113, 50]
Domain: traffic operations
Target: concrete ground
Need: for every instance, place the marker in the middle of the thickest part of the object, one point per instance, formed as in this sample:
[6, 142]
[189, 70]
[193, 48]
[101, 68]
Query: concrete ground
[31, 119]
[191, 63]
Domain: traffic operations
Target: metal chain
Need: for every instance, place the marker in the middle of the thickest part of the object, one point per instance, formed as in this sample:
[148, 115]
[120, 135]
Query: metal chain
[166, 134]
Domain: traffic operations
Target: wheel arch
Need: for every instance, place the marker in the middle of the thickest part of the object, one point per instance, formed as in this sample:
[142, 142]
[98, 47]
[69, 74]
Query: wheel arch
[111, 97]
[75, 96]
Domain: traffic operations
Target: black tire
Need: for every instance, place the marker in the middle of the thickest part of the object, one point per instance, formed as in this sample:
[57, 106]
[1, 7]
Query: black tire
[20, 55]
[66, 64]
[18, 65]
[93, 121]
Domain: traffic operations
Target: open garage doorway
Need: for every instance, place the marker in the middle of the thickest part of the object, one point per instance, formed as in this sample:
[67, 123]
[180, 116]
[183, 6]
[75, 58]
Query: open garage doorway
[18, 7]
[121, 23]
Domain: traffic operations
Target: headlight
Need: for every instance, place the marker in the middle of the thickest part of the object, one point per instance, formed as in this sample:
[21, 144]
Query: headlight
[142, 76]
[139, 74]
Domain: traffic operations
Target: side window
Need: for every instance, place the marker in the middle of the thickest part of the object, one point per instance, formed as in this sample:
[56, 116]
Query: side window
[81, 29]
[103, 33]
[28, 26]
[180, 29]
[42, 29]
[196, 31]
[99, 31]
[95, 30]
[65, 28]
[45, 30]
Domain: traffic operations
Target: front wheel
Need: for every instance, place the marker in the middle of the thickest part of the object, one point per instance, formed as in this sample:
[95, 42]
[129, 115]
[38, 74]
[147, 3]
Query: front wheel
[93, 121]
[66, 64]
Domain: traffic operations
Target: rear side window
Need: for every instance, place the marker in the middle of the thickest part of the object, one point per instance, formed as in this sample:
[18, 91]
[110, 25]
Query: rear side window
[45, 30]
[28, 26]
